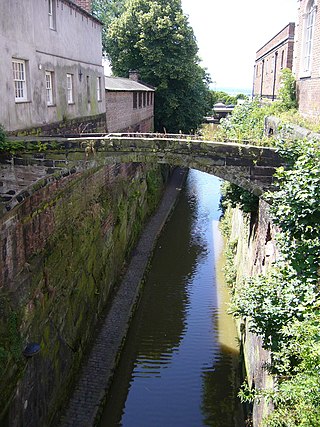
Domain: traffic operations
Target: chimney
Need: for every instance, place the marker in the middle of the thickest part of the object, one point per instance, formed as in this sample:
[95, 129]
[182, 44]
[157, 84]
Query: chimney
[84, 4]
[134, 75]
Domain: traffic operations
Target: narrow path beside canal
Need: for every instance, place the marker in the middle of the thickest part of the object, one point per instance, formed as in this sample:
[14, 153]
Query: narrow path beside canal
[179, 364]
[97, 371]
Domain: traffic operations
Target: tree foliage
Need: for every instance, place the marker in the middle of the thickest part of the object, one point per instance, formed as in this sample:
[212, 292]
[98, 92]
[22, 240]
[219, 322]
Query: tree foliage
[220, 96]
[2, 133]
[107, 11]
[297, 211]
[233, 195]
[287, 91]
[246, 123]
[154, 37]
[283, 306]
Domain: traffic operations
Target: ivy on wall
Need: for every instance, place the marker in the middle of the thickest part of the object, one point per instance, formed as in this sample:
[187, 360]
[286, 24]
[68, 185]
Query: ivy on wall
[284, 306]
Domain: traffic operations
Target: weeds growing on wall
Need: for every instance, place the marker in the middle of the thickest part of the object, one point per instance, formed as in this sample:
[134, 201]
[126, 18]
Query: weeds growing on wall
[287, 91]
[2, 134]
[283, 306]
[8, 146]
[233, 195]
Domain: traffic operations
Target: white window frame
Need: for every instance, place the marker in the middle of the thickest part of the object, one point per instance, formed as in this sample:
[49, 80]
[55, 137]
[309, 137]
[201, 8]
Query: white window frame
[19, 70]
[309, 25]
[99, 93]
[70, 89]
[52, 14]
[49, 88]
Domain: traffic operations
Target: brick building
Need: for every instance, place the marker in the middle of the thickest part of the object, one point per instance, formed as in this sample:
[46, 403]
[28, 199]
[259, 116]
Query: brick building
[51, 67]
[307, 58]
[129, 105]
[271, 58]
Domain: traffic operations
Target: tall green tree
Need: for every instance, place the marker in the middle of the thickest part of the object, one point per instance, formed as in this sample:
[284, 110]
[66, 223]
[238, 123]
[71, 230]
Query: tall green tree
[107, 11]
[154, 37]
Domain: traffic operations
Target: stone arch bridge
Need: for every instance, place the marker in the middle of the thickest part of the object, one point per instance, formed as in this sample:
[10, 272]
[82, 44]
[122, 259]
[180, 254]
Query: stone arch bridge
[43, 160]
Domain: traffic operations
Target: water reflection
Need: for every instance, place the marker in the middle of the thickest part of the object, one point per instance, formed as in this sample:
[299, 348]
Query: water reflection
[174, 371]
[219, 407]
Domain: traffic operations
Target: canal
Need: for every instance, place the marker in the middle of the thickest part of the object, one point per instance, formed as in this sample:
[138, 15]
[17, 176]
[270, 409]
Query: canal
[179, 364]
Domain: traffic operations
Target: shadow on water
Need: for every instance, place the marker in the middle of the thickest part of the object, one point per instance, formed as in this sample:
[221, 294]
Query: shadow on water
[174, 371]
[220, 405]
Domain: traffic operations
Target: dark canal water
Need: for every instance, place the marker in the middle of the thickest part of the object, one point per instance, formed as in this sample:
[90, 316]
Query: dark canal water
[180, 360]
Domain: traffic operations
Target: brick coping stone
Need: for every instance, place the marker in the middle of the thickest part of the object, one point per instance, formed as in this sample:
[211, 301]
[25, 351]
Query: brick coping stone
[95, 377]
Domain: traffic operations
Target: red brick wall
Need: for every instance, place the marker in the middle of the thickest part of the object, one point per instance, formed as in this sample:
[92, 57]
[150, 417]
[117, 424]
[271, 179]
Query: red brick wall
[61, 251]
[122, 117]
[84, 4]
[274, 56]
[308, 86]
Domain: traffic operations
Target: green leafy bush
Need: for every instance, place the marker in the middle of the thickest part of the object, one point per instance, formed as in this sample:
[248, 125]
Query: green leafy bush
[287, 91]
[246, 123]
[220, 96]
[283, 306]
[233, 195]
[2, 134]
[6, 145]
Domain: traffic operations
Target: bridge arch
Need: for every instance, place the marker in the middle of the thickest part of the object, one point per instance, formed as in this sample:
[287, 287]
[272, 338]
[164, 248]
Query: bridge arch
[250, 167]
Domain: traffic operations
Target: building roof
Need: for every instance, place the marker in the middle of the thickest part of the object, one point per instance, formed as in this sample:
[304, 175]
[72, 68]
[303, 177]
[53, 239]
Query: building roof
[283, 36]
[73, 4]
[121, 84]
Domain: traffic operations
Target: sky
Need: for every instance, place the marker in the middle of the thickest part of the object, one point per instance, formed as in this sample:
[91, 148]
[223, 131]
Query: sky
[230, 32]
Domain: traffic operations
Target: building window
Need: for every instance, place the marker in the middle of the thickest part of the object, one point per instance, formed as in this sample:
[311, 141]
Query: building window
[88, 89]
[70, 88]
[282, 59]
[99, 94]
[308, 38]
[49, 87]
[135, 100]
[52, 14]
[140, 99]
[19, 79]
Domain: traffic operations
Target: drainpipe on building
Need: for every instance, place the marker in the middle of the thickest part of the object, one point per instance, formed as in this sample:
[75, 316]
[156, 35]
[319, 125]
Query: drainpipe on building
[274, 76]
[262, 71]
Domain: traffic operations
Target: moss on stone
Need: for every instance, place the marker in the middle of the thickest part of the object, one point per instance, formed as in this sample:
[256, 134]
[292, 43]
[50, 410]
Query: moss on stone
[96, 226]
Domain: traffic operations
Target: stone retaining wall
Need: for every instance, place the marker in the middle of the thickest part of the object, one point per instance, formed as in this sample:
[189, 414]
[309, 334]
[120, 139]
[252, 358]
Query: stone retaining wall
[255, 250]
[61, 252]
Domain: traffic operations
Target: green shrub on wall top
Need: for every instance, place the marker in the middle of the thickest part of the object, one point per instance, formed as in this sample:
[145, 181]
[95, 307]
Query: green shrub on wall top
[287, 91]
[233, 195]
[2, 134]
[284, 306]
[8, 146]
